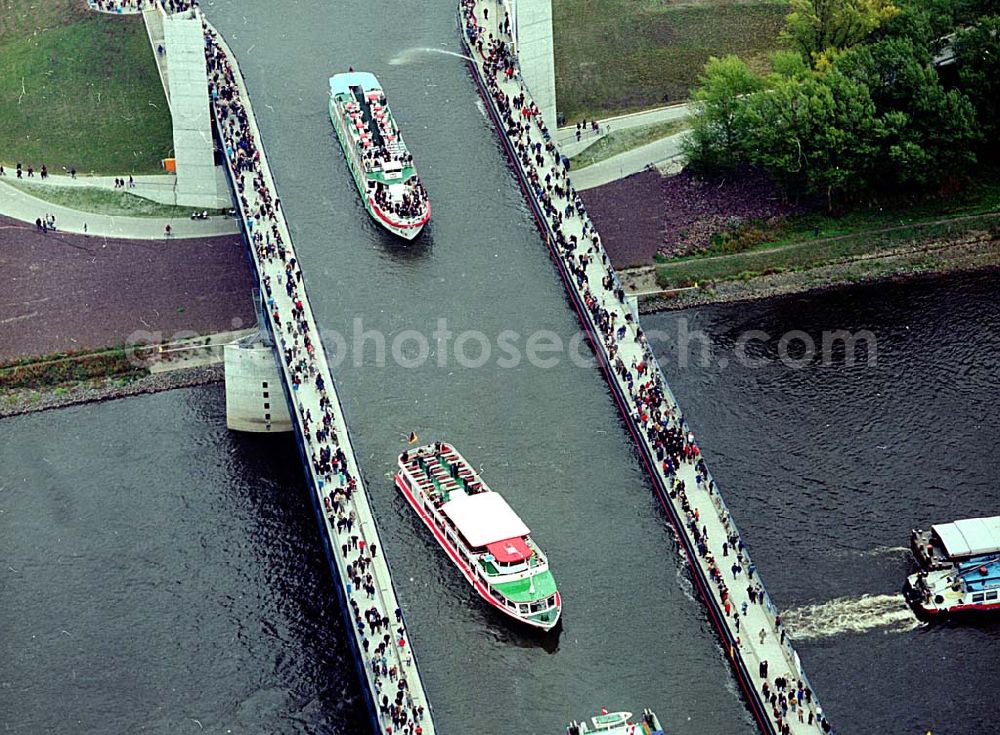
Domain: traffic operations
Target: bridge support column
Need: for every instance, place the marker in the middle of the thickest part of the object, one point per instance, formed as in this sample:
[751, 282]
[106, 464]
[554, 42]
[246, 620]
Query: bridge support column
[531, 27]
[178, 44]
[255, 398]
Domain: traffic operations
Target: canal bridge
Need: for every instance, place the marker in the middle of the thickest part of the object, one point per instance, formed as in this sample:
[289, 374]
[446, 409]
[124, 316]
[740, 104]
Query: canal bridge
[289, 319]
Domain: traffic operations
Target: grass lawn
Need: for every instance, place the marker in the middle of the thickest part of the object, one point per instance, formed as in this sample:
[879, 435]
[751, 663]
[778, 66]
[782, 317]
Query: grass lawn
[619, 141]
[104, 201]
[79, 89]
[812, 240]
[615, 56]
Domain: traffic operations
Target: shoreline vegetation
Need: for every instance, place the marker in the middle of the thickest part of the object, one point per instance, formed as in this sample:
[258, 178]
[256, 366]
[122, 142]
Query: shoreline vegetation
[971, 250]
[65, 379]
[60, 379]
[19, 401]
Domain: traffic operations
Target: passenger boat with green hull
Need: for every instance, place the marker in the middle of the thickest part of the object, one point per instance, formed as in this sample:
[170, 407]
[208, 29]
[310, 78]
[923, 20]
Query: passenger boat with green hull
[481, 534]
[380, 163]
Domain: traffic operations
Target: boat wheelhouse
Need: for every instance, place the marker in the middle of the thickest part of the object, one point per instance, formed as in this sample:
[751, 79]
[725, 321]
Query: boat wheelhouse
[617, 723]
[481, 534]
[947, 543]
[378, 158]
[972, 585]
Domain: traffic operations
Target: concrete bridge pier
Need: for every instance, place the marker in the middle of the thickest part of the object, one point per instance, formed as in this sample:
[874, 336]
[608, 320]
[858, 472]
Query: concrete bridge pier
[531, 29]
[255, 396]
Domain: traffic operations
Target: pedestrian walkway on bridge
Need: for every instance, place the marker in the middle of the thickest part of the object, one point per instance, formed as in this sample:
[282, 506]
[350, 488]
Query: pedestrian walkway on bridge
[382, 641]
[755, 641]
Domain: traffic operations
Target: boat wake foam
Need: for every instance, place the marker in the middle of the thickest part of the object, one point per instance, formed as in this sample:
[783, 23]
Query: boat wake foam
[411, 55]
[850, 615]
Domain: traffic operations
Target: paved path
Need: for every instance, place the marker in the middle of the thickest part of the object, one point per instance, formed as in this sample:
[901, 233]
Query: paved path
[566, 137]
[160, 188]
[630, 162]
[760, 652]
[19, 205]
[156, 187]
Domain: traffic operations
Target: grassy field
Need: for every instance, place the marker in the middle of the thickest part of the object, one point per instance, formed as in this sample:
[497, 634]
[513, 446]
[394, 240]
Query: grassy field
[615, 56]
[104, 201]
[78, 89]
[619, 141]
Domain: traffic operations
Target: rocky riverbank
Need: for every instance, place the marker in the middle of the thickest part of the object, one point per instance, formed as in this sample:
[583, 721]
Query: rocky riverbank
[28, 400]
[971, 251]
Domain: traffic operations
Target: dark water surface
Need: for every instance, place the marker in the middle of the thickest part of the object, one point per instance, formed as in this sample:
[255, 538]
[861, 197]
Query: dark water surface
[827, 469]
[183, 562]
[160, 571]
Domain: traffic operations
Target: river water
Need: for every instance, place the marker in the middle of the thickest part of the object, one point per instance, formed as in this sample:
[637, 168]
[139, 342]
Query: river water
[165, 574]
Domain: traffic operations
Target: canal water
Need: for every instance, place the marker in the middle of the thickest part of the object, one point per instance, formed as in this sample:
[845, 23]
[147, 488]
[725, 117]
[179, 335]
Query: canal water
[162, 573]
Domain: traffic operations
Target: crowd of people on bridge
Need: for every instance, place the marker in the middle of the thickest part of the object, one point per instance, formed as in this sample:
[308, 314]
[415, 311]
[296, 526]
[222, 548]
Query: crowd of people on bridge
[383, 642]
[137, 6]
[626, 353]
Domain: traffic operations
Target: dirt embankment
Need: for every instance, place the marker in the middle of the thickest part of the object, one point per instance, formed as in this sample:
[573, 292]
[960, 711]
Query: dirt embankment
[66, 292]
[971, 251]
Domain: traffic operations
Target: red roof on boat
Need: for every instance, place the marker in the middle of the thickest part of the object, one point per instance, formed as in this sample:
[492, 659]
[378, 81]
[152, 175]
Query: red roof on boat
[509, 550]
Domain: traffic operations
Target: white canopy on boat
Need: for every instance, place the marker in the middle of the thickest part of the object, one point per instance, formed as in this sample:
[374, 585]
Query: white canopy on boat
[970, 537]
[484, 518]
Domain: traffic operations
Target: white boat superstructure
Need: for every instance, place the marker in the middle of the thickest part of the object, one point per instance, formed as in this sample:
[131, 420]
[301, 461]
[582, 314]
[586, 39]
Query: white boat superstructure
[947, 543]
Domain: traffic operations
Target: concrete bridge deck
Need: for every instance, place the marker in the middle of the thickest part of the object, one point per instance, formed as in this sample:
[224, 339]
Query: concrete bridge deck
[390, 672]
[747, 621]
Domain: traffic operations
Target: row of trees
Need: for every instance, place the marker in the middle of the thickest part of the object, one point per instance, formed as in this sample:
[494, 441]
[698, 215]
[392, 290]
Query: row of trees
[856, 106]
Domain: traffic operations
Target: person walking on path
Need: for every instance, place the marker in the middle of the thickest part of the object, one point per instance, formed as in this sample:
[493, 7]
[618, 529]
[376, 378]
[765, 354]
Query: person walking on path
[167, 230]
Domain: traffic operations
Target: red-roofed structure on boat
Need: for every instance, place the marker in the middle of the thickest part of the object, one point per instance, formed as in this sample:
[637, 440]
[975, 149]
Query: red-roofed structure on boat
[509, 550]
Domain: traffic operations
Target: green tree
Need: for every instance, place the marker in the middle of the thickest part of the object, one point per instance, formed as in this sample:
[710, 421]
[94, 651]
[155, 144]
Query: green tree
[931, 132]
[715, 140]
[978, 52]
[922, 21]
[818, 27]
[817, 131]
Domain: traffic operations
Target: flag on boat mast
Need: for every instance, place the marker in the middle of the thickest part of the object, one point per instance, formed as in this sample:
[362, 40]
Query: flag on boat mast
[413, 437]
[604, 710]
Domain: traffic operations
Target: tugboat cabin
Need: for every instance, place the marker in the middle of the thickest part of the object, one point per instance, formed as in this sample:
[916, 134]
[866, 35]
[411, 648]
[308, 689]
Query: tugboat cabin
[947, 543]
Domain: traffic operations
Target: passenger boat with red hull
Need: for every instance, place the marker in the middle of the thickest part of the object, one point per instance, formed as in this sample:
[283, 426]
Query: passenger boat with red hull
[380, 163]
[481, 534]
[959, 568]
[971, 586]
